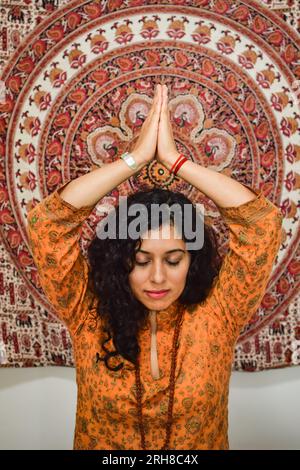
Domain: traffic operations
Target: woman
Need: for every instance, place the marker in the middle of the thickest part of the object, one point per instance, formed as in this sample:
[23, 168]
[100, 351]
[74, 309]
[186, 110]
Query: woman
[153, 371]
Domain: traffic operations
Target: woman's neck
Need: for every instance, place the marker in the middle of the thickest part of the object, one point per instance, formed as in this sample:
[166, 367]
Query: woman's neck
[152, 317]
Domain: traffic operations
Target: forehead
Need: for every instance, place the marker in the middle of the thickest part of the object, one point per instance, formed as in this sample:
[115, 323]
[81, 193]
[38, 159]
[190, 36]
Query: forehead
[162, 239]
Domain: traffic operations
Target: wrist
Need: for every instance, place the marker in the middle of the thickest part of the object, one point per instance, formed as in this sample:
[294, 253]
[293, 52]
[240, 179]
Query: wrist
[135, 160]
[169, 161]
[140, 160]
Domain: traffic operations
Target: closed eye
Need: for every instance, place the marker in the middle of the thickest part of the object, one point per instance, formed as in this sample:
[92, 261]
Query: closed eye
[171, 263]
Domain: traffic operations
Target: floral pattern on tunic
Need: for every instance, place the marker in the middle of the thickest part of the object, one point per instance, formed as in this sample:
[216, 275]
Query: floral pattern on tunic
[106, 416]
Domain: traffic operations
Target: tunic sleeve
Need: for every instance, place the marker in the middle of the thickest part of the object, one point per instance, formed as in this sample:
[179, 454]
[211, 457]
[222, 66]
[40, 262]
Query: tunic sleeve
[255, 234]
[54, 233]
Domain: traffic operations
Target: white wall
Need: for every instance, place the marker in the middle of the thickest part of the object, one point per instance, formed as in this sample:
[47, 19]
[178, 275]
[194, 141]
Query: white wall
[37, 409]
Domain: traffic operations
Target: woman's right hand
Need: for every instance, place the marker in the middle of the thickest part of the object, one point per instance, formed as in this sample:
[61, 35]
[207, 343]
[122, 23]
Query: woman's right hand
[145, 147]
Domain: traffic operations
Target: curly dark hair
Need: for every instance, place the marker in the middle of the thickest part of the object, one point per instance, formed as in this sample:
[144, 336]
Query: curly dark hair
[112, 259]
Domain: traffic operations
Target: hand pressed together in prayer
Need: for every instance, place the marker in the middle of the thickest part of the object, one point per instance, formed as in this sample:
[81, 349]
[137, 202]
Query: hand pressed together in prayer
[156, 137]
[166, 146]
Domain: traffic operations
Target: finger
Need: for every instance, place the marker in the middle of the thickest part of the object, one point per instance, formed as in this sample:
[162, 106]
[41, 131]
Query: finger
[164, 111]
[157, 95]
[157, 109]
[164, 108]
[156, 105]
[158, 98]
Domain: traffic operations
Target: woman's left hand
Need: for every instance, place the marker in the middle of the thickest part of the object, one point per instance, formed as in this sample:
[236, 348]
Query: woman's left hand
[167, 152]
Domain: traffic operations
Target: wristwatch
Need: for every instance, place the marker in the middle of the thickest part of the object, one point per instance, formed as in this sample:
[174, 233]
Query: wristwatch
[129, 159]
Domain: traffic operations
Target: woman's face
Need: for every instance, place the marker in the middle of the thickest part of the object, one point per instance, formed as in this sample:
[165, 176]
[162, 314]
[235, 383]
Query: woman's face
[160, 264]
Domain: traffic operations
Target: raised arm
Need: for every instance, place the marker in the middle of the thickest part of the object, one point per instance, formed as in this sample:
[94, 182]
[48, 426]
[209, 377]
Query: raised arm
[90, 188]
[254, 229]
[254, 239]
[54, 226]
[221, 189]
[54, 231]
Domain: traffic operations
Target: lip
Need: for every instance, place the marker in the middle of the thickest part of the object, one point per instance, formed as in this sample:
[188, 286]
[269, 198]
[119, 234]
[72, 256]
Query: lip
[157, 294]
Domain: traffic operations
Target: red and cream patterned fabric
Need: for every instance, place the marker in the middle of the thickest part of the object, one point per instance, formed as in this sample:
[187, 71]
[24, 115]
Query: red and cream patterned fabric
[106, 406]
[76, 83]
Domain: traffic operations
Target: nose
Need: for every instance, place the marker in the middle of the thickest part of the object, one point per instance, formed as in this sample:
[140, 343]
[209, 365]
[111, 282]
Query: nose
[157, 273]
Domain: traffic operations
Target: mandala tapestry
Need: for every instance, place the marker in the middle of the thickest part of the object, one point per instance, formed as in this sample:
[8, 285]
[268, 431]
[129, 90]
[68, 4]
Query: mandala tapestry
[77, 81]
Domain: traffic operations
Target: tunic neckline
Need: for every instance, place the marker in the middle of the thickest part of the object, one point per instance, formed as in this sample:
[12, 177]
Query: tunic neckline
[164, 320]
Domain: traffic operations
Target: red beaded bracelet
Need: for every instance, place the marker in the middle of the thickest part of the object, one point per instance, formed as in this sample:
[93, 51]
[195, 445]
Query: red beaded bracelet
[179, 162]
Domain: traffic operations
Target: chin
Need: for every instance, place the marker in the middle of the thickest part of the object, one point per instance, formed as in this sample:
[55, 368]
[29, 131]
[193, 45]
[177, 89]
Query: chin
[157, 304]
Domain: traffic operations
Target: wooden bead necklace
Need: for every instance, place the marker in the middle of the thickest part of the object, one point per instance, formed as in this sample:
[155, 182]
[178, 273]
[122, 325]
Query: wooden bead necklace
[171, 388]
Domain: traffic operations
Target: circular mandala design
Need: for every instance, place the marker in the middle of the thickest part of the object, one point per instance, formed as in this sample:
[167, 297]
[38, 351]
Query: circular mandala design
[80, 88]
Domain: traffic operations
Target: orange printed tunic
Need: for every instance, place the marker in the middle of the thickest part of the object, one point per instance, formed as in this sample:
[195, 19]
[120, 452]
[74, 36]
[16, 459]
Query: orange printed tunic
[106, 416]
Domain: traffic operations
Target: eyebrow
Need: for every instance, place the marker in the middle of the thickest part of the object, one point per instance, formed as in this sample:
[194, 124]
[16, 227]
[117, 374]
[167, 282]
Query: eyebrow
[170, 251]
